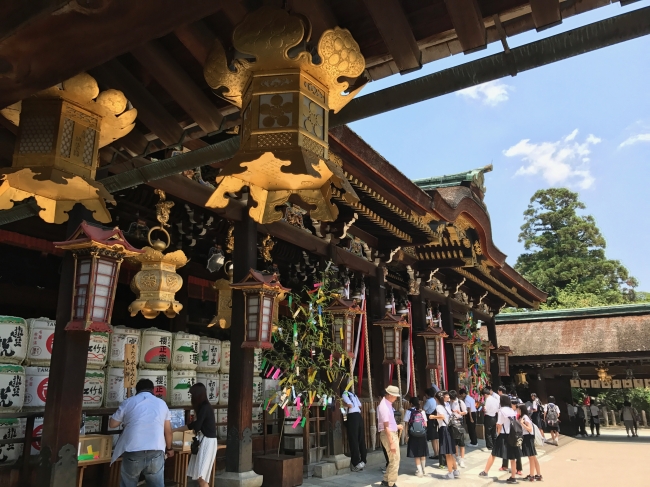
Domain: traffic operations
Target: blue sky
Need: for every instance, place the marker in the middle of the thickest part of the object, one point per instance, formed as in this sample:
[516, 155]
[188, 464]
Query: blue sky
[583, 123]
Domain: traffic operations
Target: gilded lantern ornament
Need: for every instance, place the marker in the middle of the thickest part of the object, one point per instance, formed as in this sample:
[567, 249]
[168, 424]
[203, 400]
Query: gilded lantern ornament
[391, 327]
[260, 293]
[98, 253]
[461, 352]
[343, 313]
[223, 317]
[60, 131]
[501, 355]
[433, 346]
[157, 282]
[285, 100]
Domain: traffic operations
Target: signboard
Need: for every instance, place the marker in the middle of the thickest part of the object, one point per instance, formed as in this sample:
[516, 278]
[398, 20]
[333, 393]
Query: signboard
[606, 384]
[130, 363]
[638, 383]
[616, 383]
[585, 384]
[595, 384]
[627, 383]
[575, 383]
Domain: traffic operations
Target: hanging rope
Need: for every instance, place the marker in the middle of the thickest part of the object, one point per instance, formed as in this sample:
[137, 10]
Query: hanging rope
[401, 402]
[373, 416]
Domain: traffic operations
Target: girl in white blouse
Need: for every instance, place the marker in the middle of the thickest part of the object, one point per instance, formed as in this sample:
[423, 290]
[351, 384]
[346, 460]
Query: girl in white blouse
[501, 447]
[528, 446]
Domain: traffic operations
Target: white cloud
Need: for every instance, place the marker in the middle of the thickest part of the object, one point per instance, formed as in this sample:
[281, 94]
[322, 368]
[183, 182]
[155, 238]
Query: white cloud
[491, 93]
[562, 162]
[634, 139]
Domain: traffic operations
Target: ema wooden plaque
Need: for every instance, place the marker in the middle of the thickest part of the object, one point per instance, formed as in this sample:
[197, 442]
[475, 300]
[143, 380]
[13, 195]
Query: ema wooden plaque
[647, 383]
[595, 384]
[628, 384]
[616, 383]
[638, 383]
[575, 383]
[605, 384]
[585, 383]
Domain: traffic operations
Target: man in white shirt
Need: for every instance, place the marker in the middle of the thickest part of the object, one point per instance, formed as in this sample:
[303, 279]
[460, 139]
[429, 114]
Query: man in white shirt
[147, 436]
[356, 433]
[388, 429]
[490, 410]
[471, 415]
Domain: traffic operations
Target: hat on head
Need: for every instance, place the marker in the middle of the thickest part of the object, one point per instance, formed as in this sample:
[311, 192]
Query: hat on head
[393, 391]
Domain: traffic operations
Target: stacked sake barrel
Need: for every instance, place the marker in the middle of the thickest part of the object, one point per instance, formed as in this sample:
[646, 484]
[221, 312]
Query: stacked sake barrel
[14, 344]
[120, 338]
[207, 371]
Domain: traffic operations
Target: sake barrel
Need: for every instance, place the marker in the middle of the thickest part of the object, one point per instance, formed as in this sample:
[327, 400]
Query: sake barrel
[258, 415]
[209, 355]
[9, 428]
[41, 339]
[115, 391]
[225, 357]
[36, 379]
[222, 423]
[23, 428]
[159, 379]
[156, 349]
[119, 339]
[94, 385]
[181, 381]
[37, 433]
[97, 350]
[12, 388]
[224, 387]
[14, 340]
[211, 383]
[186, 351]
[258, 389]
[257, 360]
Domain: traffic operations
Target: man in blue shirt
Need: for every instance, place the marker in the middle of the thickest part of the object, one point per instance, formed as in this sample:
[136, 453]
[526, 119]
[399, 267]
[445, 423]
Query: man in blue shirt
[147, 436]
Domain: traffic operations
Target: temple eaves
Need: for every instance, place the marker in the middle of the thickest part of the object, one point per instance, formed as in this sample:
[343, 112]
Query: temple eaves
[473, 176]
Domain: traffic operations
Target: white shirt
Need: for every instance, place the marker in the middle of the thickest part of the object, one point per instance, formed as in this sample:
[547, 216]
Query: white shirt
[491, 406]
[143, 417]
[470, 403]
[442, 411]
[594, 411]
[503, 418]
[528, 423]
[407, 416]
[352, 399]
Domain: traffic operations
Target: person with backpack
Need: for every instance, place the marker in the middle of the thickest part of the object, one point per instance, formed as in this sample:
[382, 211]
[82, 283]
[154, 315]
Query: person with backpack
[504, 464]
[447, 445]
[417, 446]
[528, 445]
[594, 418]
[627, 416]
[509, 439]
[459, 409]
[552, 419]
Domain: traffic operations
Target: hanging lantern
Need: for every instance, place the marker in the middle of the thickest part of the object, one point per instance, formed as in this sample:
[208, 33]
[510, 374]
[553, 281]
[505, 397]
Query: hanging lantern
[157, 282]
[60, 131]
[486, 348]
[285, 101]
[501, 354]
[391, 327]
[461, 353]
[98, 254]
[224, 304]
[260, 293]
[343, 315]
[433, 345]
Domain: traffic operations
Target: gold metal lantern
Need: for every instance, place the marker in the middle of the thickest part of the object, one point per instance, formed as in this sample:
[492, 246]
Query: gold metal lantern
[60, 131]
[285, 97]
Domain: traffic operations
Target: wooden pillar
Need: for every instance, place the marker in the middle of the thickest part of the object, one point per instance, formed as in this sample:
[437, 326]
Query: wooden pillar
[419, 316]
[376, 310]
[494, 365]
[239, 445]
[63, 407]
[447, 317]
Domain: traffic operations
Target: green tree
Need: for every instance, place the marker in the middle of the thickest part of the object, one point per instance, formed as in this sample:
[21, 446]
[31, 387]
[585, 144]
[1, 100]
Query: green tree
[566, 254]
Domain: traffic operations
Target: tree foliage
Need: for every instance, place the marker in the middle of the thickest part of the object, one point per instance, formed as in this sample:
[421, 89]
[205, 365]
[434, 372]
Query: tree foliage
[566, 254]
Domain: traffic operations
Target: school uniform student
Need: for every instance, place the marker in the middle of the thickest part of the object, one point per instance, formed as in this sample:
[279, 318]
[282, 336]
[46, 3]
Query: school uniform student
[417, 447]
[504, 463]
[471, 416]
[459, 409]
[501, 447]
[447, 444]
[432, 425]
[490, 411]
[628, 414]
[356, 433]
[594, 419]
[552, 419]
[528, 446]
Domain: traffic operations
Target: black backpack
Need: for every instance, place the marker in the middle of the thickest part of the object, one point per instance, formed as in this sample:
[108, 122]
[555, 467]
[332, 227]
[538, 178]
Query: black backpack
[416, 425]
[516, 435]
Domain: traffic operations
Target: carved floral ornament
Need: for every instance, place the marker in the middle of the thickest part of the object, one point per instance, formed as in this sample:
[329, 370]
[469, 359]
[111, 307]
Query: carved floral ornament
[285, 99]
[60, 131]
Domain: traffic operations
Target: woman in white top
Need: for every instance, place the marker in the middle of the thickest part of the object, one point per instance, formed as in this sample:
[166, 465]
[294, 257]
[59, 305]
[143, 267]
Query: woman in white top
[447, 445]
[459, 411]
[528, 445]
[501, 447]
[627, 416]
[594, 418]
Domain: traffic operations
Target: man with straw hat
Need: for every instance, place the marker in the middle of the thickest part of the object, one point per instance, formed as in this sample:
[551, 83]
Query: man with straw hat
[388, 434]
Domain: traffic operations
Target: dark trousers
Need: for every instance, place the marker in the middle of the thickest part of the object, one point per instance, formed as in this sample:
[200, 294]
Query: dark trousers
[356, 438]
[471, 428]
[506, 464]
[490, 426]
[593, 424]
[582, 423]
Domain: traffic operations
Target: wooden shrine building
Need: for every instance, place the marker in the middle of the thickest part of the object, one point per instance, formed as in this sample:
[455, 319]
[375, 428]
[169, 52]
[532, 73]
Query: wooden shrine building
[236, 145]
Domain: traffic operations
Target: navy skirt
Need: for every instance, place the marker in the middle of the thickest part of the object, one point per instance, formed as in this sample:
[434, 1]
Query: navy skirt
[447, 443]
[501, 449]
[417, 447]
[528, 446]
[432, 429]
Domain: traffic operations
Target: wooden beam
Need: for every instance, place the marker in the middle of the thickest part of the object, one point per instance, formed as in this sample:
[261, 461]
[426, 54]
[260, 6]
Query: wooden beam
[319, 14]
[396, 32]
[468, 22]
[235, 10]
[546, 13]
[17, 13]
[197, 38]
[56, 47]
[150, 111]
[179, 85]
